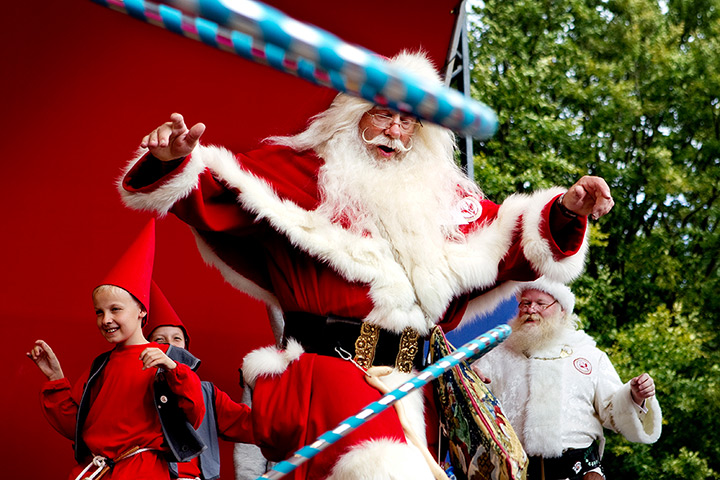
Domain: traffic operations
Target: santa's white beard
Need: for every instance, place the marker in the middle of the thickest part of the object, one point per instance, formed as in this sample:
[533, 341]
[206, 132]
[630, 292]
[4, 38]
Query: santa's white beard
[402, 199]
[528, 338]
[410, 201]
[405, 194]
[407, 200]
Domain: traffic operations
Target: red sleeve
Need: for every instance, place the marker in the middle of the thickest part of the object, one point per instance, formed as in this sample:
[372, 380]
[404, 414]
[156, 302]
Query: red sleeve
[565, 233]
[234, 422]
[186, 385]
[562, 234]
[211, 206]
[60, 405]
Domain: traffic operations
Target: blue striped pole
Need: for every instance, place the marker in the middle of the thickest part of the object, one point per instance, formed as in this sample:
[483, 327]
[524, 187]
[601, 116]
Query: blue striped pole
[470, 351]
[263, 34]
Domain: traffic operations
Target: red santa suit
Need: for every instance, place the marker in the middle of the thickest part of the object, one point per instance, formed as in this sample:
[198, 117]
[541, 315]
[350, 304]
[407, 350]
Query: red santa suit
[123, 414]
[255, 219]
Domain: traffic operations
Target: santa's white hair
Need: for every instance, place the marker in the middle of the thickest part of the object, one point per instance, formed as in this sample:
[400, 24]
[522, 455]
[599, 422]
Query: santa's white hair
[359, 189]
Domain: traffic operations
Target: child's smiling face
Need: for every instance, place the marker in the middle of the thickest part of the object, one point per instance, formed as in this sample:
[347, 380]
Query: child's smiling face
[119, 316]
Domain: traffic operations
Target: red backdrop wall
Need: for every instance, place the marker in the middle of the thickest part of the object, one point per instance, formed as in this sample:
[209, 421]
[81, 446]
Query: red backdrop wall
[81, 85]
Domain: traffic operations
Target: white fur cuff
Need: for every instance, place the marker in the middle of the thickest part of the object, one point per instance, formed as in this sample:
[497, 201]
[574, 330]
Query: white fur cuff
[636, 427]
[162, 198]
[269, 361]
[537, 249]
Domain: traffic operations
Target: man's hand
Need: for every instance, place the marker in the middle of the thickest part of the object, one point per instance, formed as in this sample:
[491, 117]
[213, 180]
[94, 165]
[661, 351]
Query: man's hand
[477, 371]
[173, 140]
[154, 357]
[589, 196]
[45, 359]
[642, 387]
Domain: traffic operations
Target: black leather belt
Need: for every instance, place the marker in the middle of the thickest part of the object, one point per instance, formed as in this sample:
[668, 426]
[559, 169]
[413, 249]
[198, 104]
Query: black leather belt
[369, 344]
[573, 464]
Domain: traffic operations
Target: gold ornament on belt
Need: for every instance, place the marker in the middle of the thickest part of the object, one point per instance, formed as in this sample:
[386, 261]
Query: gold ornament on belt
[408, 349]
[366, 344]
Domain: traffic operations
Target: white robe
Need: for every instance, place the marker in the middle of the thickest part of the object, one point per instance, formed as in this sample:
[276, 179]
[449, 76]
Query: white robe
[562, 396]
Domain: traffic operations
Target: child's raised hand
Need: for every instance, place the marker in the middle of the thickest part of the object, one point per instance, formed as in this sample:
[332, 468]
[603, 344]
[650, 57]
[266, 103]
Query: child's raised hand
[45, 359]
[154, 357]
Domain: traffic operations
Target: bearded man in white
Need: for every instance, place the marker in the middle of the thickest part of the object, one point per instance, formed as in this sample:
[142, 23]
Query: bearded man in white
[364, 234]
[558, 390]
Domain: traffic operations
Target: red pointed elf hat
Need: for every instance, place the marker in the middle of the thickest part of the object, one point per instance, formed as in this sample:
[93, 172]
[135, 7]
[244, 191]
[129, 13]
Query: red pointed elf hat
[163, 314]
[133, 270]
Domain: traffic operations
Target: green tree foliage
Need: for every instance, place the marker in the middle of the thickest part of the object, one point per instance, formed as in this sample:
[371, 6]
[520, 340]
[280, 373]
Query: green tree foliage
[628, 90]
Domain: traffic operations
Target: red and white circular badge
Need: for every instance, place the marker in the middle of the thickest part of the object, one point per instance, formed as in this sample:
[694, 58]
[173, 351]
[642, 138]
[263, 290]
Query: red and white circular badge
[470, 209]
[583, 365]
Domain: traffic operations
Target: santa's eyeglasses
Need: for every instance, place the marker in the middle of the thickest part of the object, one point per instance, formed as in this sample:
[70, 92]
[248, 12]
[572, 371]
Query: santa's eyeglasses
[539, 306]
[386, 119]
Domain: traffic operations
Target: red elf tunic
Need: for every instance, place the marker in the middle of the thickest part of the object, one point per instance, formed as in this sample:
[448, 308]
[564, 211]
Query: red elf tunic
[123, 413]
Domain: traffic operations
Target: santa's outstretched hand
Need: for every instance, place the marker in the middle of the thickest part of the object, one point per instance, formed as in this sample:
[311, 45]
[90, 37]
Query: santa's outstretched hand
[173, 139]
[589, 196]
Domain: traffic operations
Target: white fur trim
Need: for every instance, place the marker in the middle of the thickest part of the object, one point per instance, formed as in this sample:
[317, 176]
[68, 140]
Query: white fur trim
[487, 303]
[626, 419]
[536, 248]
[382, 460]
[164, 197]
[400, 299]
[234, 278]
[546, 390]
[268, 361]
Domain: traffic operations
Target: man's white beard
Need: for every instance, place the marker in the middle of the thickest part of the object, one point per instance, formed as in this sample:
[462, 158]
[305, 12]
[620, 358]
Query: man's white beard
[408, 199]
[409, 202]
[528, 338]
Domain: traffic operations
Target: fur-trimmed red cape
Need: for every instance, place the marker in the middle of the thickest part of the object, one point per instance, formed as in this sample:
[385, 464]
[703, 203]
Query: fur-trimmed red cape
[275, 189]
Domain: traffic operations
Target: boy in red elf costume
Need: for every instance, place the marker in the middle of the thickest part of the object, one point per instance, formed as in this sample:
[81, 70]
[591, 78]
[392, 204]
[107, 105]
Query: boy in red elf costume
[138, 403]
[224, 418]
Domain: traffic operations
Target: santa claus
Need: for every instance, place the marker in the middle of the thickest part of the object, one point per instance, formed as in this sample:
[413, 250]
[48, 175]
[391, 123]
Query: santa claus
[560, 391]
[364, 234]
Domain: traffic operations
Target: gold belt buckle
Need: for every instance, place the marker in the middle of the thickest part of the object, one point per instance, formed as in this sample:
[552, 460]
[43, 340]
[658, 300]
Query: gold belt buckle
[366, 345]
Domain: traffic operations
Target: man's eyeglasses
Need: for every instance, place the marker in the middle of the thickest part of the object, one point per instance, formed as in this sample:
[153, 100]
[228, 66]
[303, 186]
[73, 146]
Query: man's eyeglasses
[539, 306]
[385, 120]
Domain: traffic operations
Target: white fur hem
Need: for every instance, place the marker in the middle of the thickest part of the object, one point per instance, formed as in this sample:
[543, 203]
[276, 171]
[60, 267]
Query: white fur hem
[486, 304]
[382, 460]
[268, 361]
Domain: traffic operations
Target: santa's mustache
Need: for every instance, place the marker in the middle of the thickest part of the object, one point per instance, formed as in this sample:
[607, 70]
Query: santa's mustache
[386, 141]
[530, 316]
